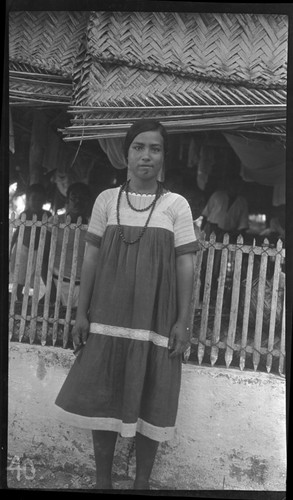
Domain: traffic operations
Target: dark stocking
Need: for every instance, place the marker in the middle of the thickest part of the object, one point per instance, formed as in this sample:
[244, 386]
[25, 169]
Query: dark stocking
[104, 447]
[146, 450]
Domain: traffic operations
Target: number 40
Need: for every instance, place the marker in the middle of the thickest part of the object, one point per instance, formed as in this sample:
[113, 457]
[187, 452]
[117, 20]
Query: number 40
[16, 466]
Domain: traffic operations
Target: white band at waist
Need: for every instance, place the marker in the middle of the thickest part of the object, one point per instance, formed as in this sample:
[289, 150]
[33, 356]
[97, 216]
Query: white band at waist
[129, 333]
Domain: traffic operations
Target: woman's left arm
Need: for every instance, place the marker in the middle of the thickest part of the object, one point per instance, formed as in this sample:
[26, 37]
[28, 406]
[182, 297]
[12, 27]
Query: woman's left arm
[180, 335]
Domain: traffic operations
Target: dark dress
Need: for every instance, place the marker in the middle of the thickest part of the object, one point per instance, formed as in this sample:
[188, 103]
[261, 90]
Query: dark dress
[123, 378]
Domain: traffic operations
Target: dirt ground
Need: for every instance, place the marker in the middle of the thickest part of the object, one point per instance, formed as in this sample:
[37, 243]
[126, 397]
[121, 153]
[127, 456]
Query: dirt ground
[231, 432]
[23, 477]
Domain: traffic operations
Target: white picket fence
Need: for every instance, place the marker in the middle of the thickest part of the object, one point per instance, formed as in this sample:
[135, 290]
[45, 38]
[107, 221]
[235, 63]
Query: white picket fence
[238, 303]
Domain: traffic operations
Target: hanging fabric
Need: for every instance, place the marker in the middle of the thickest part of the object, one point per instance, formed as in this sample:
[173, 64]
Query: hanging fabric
[262, 162]
[193, 153]
[206, 161]
[113, 147]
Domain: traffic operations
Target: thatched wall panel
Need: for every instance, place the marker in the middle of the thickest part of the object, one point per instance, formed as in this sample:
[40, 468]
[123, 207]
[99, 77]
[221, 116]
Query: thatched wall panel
[46, 39]
[236, 47]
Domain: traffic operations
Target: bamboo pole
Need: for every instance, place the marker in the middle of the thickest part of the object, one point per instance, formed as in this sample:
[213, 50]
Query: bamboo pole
[206, 299]
[274, 305]
[204, 107]
[172, 121]
[245, 323]
[35, 301]
[219, 302]
[16, 273]
[52, 252]
[260, 306]
[204, 122]
[283, 336]
[172, 128]
[28, 278]
[234, 303]
[60, 278]
[76, 230]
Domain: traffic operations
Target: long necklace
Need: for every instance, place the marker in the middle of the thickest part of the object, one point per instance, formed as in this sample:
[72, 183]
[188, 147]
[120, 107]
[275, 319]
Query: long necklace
[125, 187]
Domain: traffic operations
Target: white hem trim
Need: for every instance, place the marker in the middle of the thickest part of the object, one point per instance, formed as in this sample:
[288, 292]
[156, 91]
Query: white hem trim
[116, 425]
[129, 333]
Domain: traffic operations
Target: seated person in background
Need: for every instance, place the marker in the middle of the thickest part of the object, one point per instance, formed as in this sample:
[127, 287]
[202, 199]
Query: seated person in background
[77, 205]
[276, 229]
[35, 199]
[226, 212]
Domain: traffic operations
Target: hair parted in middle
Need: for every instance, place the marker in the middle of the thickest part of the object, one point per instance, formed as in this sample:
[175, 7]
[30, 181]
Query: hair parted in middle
[145, 125]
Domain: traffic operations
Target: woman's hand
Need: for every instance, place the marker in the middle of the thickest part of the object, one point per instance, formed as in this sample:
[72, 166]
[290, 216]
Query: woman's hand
[179, 339]
[80, 332]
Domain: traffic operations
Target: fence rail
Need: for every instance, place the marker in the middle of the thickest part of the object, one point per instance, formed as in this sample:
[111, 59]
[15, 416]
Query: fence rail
[238, 303]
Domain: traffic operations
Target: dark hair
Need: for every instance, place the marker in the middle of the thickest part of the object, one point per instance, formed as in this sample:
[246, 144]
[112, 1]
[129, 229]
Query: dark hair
[80, 187]
[36, 188]
[144, 125]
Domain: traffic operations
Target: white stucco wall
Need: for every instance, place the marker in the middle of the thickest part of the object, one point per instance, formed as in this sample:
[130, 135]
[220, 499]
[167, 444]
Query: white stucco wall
[230, 429]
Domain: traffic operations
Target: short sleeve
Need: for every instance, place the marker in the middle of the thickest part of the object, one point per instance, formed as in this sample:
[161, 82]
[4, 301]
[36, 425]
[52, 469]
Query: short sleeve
[184, 234]
[98, 220]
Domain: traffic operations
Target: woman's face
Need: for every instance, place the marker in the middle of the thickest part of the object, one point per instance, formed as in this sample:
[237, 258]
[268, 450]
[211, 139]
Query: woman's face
[146, 155]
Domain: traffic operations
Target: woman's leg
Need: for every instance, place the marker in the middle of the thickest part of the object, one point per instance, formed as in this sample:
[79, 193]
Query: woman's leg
[104, 447]
[146, 450]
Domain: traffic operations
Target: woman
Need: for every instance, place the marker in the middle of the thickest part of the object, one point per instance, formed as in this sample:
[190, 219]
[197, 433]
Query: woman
[133, 311]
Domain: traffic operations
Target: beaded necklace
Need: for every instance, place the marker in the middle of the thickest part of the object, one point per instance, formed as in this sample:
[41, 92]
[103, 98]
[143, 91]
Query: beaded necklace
[125, 187]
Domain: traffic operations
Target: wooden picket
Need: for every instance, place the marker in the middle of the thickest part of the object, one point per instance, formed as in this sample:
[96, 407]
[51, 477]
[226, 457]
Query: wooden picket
[259, 310]
[246, 307]
[219, 302]
[234, 303]
[206, 300]
[54, 230]
[60, 280]
[228, 326]
[37, 280]
[27, 279]
[21, 224]
[276, 280]
[72, 281]
[282, 346]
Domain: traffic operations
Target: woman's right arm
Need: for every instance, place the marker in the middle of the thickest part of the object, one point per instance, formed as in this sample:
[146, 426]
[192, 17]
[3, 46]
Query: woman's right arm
[81, 327]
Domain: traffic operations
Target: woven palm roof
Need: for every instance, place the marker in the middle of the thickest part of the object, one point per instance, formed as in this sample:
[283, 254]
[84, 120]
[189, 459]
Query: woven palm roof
[123, 65]
[42, 52]
[178, 67]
